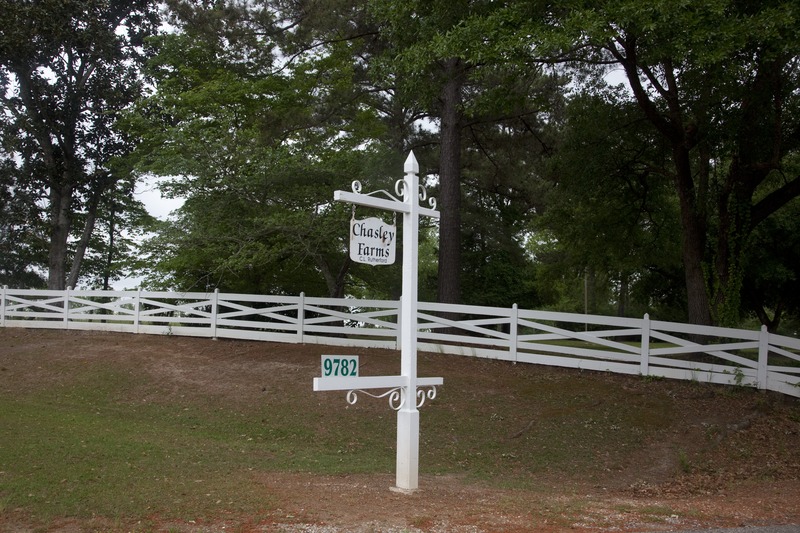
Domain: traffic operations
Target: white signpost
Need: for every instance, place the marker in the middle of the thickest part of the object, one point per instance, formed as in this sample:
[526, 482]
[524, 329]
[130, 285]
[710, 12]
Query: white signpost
[405, 391]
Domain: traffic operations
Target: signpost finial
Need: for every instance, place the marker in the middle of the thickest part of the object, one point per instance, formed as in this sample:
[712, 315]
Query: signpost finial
[411, 166]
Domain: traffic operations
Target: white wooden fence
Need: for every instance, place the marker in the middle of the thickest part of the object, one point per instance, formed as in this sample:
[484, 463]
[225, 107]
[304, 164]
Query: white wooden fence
[622, 345]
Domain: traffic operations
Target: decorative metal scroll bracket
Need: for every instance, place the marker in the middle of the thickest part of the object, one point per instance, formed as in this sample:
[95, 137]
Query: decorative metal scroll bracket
[397, 396]
[397, 385]
[400, 191]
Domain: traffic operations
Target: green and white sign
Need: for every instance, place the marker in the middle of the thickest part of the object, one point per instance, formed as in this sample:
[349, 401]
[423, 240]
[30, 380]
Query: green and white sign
[339, 366]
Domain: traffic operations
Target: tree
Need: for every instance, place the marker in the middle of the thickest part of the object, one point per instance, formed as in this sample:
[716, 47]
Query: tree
[121, 223]
[451, 56]
[22, 233]
[241, 88]
[260, 144]
[68, 68]
[716, 79]
[610, 218]
[771, 288]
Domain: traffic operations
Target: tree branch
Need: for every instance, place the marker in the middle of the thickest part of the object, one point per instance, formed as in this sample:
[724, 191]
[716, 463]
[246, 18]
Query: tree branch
[629, 62]
[292, 58]
[774, 201]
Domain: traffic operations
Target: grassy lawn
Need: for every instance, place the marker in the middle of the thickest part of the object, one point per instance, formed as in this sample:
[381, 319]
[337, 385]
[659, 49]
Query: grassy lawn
[186, 429]
[82, 450]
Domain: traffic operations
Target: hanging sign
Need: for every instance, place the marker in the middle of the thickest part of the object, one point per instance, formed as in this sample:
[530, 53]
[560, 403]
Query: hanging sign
[372, 241]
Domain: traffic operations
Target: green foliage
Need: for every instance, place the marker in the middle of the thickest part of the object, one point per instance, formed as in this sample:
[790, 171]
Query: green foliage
[713, 79]
[494, 106]
[259, 152]
[771, 280]
[22, 233]
[67, 70]
[259, 148]
[572, 194]
[609, 226]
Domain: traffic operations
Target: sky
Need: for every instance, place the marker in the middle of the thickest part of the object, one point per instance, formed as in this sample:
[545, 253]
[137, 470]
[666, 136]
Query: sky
[148, 193]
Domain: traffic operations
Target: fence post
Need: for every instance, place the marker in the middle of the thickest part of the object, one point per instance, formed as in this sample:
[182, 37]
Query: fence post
[644, 364]
[512, 332]
[214, 307]
[137, 307]
[3, 306]
[66, 307]
[301, 317]
[763, 357]
[399, 339]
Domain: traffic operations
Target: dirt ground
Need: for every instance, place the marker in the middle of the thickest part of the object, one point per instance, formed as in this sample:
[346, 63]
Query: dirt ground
[728, 488]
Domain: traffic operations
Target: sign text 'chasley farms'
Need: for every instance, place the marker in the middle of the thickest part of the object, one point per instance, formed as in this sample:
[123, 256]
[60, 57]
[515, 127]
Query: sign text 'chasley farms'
[372, 241]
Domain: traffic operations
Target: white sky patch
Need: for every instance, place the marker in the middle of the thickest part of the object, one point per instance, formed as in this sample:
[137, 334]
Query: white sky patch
[149, 193]
[617, 76]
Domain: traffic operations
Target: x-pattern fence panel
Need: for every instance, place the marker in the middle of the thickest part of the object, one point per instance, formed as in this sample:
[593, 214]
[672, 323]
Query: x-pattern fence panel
[624, 345]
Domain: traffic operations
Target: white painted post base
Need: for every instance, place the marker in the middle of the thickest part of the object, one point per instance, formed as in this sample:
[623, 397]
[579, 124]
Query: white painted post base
[408, 448]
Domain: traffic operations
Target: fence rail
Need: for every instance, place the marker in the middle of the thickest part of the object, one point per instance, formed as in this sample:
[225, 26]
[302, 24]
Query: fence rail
[622, 345]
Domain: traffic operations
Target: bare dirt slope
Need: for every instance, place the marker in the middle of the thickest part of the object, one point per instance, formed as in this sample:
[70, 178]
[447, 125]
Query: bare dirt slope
[724, 458]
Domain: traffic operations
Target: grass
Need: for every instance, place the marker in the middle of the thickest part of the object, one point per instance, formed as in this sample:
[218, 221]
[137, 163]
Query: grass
[82, 453]
[116, 435]
[544, 426]
[87, 447]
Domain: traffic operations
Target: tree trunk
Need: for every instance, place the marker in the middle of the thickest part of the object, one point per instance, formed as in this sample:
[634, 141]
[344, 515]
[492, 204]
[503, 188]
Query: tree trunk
[693, 241]
[60, 225]
[337, 291]
[335, 283]
[734, 228]
[757, 153]
[83, 243]
[763, 317]
[60, 183]
[622, 300]
[110, 251]
[692, 201]
[449, 282]
[590, 291]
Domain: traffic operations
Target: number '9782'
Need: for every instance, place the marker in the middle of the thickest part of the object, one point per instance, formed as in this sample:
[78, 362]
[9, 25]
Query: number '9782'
[339, 366]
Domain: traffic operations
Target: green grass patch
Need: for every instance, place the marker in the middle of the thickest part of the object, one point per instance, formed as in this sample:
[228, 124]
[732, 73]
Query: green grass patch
[107, 436]
[81, 453]
[87, 446]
